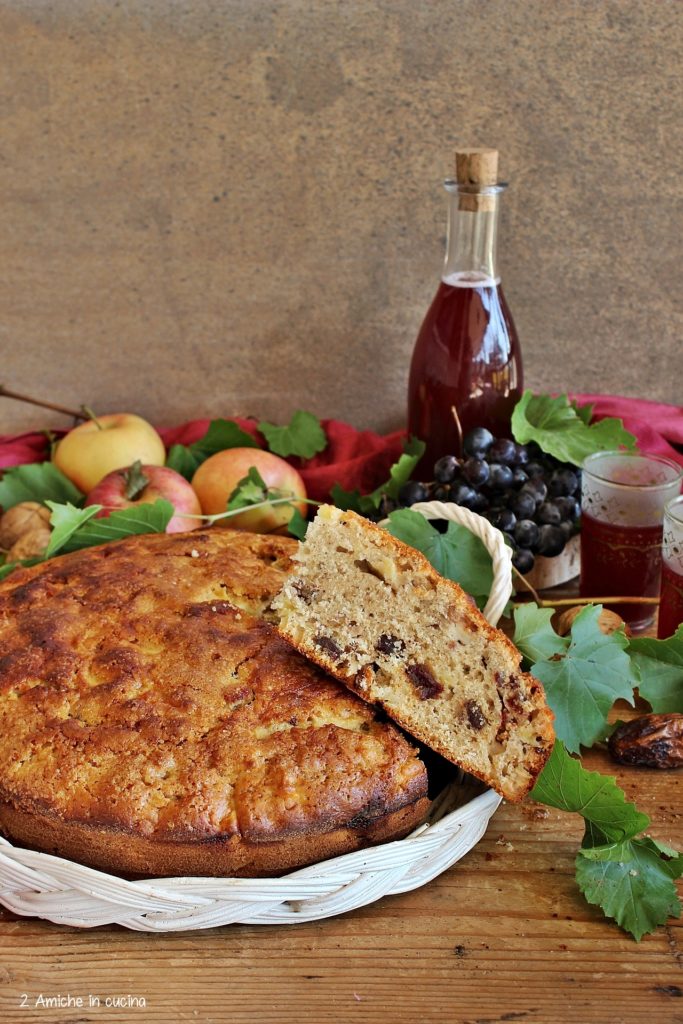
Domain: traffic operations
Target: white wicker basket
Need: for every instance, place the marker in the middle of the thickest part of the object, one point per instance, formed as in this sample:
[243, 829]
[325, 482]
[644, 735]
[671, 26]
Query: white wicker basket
[40, 885]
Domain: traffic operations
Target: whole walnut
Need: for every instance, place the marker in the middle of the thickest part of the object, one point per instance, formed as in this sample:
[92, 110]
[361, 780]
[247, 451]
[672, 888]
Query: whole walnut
[31, 544]
[608, 621]
[21, 519]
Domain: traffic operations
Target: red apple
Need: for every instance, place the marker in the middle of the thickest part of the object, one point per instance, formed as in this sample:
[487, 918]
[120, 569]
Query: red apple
[139, 485]
[217, 478]
[93, 449]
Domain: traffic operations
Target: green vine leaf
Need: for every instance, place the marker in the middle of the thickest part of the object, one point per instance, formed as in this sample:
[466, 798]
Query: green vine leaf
[583, 683]
[221, 434]
[37, 481]
[303, 436]
[562, 430]
[660, 667]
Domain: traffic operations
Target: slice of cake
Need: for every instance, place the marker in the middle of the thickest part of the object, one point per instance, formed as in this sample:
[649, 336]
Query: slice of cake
[375, 614]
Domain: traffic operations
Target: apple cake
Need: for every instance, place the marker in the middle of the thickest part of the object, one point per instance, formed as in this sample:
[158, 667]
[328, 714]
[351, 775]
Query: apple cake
[375, 614]
[153, 722]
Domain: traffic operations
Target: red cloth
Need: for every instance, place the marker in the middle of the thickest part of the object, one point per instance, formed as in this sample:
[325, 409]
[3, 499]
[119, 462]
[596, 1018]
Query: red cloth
[361, 459]
[657, 428]
[354, 459]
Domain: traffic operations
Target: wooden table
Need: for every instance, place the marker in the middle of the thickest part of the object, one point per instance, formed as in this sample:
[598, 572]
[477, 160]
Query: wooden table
[504, 935]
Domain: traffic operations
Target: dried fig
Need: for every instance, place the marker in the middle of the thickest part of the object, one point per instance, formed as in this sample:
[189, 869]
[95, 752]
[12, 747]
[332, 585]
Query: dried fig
[20, 519]
[651, 741]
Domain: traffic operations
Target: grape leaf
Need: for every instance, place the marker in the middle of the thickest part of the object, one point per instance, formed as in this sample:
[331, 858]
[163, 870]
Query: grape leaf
[401, 471]
[297, 525]
[560, 430]
[632, 882]
[65, 520]
[303, 436]
[660, 665]
[584, 412]
[353, 500]
[36, 481]
[457, 554]
[251, 490]
[145, 518]
[183, 461]
[630, 878]
[399, 474]
[564, 783]
[221, 434]
[583, 683]
[534, 636]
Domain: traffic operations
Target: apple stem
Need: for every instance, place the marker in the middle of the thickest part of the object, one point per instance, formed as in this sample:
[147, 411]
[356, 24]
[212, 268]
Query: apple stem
[90, 415]
[135, 481]
[6, 392]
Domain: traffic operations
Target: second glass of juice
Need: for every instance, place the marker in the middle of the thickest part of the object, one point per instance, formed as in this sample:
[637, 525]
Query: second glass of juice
[622, 510]
[671, 600]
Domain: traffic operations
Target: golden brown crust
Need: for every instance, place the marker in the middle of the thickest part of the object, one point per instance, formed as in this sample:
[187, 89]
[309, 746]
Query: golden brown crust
[132, 855]
[144, 706]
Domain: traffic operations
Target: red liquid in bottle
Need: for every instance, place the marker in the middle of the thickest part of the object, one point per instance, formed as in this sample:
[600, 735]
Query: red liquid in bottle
[467, 357]
[621, 560]
[671, 604]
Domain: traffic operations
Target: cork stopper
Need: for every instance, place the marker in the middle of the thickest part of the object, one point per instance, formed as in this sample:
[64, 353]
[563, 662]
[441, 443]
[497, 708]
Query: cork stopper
[476, 167]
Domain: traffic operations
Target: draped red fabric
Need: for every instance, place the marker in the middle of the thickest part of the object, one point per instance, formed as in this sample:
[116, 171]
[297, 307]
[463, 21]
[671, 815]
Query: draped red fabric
[355, 459]
[658, 428]
[361, 458]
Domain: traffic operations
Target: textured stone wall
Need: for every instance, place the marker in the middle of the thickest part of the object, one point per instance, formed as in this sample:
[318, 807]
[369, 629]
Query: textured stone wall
[235, 206]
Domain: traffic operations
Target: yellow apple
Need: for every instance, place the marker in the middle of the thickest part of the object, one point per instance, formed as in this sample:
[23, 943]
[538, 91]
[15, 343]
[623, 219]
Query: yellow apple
[217, 478]
[97, 447]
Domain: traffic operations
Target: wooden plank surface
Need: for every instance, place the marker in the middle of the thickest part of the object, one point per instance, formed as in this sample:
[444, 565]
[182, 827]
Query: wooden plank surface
[504, 935]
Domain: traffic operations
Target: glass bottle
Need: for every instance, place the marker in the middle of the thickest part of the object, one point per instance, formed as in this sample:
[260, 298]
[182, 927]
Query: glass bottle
[466, 369]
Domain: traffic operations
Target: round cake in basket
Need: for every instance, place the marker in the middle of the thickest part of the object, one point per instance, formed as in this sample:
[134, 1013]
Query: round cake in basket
[152, 721]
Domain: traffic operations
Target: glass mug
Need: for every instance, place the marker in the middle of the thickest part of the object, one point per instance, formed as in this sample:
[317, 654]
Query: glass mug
[622, 511]
[671, 598]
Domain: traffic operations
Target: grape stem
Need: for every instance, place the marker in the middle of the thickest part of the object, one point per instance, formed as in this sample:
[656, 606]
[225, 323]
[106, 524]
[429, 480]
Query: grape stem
[526, 583]
[570, 601]
[458, 425]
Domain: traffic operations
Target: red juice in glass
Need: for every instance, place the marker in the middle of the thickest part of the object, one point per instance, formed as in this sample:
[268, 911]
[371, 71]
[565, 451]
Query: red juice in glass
[624, 560]
[622, 499]
[671, 603]
[671, 599]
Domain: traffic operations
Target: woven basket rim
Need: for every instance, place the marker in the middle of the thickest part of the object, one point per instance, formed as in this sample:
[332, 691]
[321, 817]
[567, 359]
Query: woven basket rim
[33, 883]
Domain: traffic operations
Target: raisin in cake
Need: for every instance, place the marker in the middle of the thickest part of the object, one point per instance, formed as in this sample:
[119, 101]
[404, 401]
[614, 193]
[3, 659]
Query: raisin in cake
[374, 613]
[152, 722]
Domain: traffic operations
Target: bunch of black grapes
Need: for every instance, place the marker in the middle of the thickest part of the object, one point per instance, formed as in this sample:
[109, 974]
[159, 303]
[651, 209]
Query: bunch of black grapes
[532, 497]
